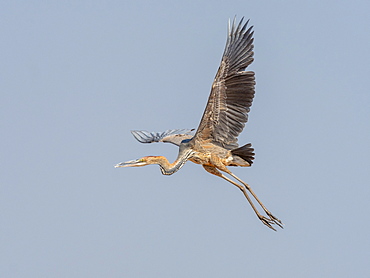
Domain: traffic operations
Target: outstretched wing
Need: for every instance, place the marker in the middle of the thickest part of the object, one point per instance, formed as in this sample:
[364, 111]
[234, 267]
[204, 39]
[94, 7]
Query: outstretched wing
[232, 91]
[174, 136]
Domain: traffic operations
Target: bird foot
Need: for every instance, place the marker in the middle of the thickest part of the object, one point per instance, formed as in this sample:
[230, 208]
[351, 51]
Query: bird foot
[268, 222]
[272, 220]
[275, 220]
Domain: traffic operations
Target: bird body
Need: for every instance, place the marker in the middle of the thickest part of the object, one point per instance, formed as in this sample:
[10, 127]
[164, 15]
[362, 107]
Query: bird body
[214, 155]
[214, 144]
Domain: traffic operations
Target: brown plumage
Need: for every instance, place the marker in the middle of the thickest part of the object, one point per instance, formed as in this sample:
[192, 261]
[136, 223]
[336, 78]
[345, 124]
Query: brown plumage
[232, 91]
[214, 144]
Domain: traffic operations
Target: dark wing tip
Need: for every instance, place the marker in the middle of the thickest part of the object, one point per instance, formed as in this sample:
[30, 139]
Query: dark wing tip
[144, 136]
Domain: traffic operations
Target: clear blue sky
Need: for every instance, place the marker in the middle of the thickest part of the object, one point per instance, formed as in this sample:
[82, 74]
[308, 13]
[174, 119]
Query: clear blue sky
[77, 76]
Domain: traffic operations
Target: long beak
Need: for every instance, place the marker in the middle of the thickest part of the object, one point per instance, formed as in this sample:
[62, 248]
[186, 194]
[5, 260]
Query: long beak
[131, 163]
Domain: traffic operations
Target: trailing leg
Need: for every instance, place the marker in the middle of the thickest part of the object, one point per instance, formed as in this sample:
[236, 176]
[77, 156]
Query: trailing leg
[268, 222]
[247, 186]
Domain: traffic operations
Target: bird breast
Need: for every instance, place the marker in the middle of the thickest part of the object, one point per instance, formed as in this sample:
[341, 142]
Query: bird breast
[212, 158]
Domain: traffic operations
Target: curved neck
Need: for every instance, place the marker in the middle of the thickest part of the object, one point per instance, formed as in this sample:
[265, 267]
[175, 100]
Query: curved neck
[168, 168]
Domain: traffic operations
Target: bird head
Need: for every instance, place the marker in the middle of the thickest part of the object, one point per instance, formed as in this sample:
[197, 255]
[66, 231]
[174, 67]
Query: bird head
[146, 160]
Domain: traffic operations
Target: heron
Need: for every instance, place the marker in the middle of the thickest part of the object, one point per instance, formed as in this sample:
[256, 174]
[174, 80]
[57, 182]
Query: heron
[214, 145]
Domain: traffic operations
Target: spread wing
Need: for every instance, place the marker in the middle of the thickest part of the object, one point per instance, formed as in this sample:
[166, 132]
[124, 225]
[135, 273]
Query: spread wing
[174, 136]
[232, 91]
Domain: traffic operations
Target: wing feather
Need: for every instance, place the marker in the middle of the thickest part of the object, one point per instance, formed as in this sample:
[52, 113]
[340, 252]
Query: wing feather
[174, 136]
[232, 90]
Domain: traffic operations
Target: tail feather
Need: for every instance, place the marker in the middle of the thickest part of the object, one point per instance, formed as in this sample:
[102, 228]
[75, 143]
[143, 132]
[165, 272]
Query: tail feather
[245, 152]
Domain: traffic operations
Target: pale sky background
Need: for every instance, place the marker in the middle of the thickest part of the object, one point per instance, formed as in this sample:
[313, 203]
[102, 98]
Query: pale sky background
[77, 76]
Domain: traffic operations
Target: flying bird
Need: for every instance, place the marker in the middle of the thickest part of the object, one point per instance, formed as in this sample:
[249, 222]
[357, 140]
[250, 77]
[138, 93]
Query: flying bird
[214, 144]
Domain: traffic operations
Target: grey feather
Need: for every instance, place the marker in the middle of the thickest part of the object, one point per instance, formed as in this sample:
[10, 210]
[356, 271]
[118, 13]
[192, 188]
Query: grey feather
[174, 136]
[232, 91]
